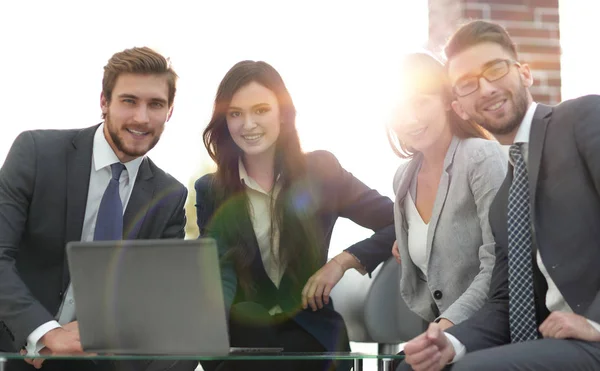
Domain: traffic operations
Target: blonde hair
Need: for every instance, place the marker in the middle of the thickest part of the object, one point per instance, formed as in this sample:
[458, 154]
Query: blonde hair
[427, 75]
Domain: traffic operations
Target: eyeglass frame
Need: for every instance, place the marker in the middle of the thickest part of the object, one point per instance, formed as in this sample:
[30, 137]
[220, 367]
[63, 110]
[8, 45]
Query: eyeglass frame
[478, 77]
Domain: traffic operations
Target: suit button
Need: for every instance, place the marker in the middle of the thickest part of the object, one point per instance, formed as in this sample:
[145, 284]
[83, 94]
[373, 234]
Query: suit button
[437, 295]
[60, 294]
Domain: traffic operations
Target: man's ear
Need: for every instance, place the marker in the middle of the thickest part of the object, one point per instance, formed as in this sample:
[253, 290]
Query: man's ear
[457, 107]
[170, 112]
[103, 104]
[526, 76]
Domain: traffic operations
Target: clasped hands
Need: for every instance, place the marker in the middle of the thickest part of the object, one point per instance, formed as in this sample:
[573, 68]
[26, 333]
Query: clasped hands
[432, 351]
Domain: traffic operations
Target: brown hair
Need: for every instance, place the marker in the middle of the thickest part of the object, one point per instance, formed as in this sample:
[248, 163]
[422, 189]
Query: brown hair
[426, 74]
[139, 60]
[300, 247]
[477, 32]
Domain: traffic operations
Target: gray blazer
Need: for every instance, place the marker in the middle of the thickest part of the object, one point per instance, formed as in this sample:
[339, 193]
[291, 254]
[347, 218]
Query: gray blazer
[460, 245]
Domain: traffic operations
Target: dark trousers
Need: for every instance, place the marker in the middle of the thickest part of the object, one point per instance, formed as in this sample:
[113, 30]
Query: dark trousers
[250, 325]
[84, 365]
[542, 355]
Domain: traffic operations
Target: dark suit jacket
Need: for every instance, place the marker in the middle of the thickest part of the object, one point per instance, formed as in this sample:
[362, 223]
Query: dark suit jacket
[332, 192]
[43, 193]
[564, 185]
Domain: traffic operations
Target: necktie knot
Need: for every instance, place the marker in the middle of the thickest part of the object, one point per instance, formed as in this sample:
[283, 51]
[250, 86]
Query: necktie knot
[515, 152]
[117, 168]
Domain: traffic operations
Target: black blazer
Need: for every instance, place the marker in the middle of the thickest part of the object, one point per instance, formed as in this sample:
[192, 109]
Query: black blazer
[43, 193]
[564, 185]
[333, 192]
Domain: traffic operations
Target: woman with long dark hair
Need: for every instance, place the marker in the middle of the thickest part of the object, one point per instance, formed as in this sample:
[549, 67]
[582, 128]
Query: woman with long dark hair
[271, 207]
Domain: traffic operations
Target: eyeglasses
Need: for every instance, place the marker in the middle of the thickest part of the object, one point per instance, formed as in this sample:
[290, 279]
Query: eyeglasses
[495, 71]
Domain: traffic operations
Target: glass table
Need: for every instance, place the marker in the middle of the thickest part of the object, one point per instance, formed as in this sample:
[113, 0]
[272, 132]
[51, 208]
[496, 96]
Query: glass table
[357, 358]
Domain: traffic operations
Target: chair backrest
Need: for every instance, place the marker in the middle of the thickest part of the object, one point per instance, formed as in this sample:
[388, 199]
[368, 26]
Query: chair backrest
[349, 298]
[387, 318]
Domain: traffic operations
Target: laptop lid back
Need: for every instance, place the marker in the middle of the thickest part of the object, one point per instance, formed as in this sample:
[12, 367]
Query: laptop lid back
[149, 296]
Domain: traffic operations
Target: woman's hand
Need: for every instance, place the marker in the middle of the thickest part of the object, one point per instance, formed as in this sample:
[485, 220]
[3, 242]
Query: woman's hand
[396, 252]
[318, 287]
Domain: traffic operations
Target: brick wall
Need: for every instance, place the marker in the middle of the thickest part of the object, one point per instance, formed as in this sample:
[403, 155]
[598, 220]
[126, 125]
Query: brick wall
[532, 24]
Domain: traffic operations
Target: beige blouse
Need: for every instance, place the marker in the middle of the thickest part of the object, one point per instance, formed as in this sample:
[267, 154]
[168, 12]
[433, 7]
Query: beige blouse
[260, 202]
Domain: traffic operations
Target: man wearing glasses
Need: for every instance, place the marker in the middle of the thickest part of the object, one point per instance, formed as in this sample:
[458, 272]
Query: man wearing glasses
[544, 301]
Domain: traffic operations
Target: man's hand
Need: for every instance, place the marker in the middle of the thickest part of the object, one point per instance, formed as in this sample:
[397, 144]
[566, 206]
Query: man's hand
[562, 325]
[445, 324]
[396, 252]
[63, 340]
[60, 341]
[72, 326]
[430, 351]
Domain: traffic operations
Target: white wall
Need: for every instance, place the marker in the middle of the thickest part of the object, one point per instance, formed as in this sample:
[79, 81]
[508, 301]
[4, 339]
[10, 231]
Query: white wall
[579, 41]
[335, 56]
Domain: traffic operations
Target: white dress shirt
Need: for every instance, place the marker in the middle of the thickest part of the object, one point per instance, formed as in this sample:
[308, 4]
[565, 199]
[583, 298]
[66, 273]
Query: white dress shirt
[417, 234]
[554, 299]
[102, 157]
[261, 204]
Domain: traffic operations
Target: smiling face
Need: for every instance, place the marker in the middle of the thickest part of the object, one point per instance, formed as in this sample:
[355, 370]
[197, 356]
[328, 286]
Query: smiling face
[498, 106]
[254, 120]
[421, 121]
[136, 114]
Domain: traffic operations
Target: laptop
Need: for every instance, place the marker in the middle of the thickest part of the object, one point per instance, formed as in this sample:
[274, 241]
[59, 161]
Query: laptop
[150, 297]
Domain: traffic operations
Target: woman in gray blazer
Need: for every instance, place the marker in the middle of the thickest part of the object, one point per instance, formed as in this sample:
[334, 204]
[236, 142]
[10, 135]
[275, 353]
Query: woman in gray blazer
[443, 194]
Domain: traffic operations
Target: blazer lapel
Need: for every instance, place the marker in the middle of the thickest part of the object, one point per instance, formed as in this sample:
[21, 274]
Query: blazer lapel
[498, 213]
[442, 192]
[268, 288]
[409, 272]
[537, 137]
[141, 200]
[247, 235]
[404, 185]
[79, 165]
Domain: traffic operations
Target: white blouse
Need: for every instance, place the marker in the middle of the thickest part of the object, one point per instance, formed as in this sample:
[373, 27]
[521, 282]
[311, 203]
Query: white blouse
[417, 234]
[260, 215]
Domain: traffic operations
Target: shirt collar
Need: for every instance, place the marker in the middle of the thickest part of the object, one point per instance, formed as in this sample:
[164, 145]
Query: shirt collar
[251, 183]
[524, 131]
[104, 155]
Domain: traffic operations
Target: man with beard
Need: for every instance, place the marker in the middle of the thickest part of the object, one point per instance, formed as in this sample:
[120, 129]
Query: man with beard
[544, 300]
[87, 184]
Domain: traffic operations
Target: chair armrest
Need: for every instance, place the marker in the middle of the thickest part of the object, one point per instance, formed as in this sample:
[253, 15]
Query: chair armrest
[387, 318]
[349, 298]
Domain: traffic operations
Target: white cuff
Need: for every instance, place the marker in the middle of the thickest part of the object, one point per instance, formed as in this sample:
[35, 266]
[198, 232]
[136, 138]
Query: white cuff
[595, 325]
[34, 345]
[459, 349]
